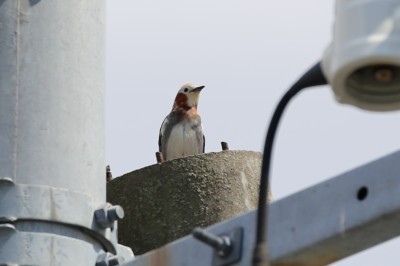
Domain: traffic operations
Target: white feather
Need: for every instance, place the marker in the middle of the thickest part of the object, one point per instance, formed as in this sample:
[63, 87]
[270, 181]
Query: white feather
[182, 141]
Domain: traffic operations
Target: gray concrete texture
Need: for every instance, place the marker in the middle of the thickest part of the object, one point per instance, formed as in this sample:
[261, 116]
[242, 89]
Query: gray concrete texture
[164, 202]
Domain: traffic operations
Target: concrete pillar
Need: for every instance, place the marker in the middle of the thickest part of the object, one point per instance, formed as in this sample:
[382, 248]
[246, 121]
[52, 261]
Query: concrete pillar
[166, 201]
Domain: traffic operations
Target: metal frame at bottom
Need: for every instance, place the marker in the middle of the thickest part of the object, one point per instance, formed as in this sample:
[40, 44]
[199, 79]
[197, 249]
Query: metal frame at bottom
[316, 226]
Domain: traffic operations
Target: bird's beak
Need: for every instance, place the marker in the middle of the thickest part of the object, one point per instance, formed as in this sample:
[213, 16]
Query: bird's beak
[198, 89]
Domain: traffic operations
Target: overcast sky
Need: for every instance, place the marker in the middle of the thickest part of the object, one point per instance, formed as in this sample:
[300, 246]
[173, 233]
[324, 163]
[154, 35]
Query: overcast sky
[247, 54]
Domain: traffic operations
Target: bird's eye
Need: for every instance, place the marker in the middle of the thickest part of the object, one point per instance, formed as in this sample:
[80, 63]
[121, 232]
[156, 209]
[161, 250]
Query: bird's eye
[186, 90]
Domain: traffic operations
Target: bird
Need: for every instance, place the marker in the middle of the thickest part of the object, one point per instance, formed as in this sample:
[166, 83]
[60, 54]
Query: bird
[181, 133]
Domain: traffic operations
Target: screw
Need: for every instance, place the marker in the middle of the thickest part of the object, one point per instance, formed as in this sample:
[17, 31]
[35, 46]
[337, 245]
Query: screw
[107, 259]
[224, 146]
[105, 217]
[160, 157]
[222, 244]
[115, 213]
[108, 173]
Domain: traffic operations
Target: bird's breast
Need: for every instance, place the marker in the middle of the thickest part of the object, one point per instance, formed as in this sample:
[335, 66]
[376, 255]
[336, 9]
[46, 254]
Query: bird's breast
[186, 139]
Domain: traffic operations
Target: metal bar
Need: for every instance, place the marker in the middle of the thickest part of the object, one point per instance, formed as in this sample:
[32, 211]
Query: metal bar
[316, 226]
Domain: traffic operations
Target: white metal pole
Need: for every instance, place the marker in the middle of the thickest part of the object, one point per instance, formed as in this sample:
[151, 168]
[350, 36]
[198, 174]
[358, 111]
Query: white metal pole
[52, 166]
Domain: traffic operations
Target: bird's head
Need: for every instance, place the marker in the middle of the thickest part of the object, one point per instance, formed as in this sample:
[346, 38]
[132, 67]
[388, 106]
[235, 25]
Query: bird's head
[188, 96]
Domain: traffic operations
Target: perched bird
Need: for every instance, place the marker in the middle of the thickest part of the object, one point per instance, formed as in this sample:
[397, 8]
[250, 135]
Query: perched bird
[181, 133]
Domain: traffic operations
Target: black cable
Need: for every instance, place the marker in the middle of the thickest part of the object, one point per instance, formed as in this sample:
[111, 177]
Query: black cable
[313, 77]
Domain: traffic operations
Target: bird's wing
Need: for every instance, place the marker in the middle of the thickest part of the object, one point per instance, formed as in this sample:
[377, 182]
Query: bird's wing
[204, 143]
[161, 134]
[165, 130]
[159, 141]
[201, 140]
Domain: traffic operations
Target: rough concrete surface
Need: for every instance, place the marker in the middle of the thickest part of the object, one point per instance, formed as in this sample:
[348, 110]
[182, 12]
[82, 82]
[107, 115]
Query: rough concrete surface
[164, 202]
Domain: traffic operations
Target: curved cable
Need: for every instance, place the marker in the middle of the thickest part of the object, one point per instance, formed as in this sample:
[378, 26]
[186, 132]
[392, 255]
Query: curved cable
[313, 77]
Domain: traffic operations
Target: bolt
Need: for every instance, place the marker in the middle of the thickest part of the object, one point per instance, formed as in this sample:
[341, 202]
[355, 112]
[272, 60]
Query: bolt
[105, 217]
[107, 259]
[160, 157]
[108, 173]
[222, 244]
[115, 213]
[224, 146]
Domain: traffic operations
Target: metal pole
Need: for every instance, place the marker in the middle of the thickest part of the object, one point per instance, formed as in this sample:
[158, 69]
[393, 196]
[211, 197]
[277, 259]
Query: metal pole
[52, 166]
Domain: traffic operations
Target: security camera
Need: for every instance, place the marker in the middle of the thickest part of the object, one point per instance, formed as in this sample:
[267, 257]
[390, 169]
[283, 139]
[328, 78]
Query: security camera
[362, 63]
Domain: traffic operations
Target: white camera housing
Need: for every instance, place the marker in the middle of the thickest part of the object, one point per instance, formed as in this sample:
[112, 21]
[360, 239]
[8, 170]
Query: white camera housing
[362, 63]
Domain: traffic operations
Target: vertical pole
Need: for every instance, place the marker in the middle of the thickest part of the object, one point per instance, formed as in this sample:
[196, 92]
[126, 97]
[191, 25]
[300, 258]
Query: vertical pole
[52, 166]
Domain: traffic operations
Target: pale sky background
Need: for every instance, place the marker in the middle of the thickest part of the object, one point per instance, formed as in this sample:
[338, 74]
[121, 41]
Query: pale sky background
[247, 54]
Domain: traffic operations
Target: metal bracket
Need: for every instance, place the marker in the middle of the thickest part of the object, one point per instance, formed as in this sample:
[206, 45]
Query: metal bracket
[227, 246]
